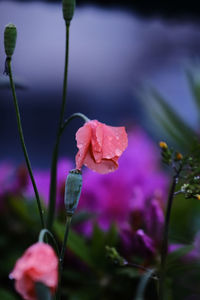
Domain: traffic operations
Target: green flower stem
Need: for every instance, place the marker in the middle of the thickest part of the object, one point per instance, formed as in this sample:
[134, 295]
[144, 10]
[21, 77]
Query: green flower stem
[8, 62]
[42, 234]
[139, 267]
[143, 284]
[164, 248]
[55, 158]
[73, 116]
[53, 184]
[62, 254]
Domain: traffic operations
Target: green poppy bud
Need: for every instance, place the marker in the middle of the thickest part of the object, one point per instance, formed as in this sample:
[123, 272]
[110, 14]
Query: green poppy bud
[73, 187]
[10, 37]
[68, 9]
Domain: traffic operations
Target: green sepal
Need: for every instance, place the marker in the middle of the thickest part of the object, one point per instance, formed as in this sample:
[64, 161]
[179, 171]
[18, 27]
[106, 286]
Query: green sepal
[42, 291]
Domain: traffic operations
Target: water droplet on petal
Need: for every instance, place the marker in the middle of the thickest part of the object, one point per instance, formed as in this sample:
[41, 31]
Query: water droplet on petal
[118, 152]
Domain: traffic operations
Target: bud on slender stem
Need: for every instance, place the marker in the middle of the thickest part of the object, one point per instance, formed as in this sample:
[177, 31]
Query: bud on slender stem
[72, 191]
[68, 10]
[10, 37]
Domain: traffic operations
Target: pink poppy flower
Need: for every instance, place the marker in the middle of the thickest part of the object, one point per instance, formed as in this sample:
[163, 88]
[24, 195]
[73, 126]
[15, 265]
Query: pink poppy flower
[39, 263]
[100, 146]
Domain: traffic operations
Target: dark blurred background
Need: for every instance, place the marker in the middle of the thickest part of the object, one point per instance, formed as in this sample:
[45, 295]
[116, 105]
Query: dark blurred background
[116, 49]
[168, 9]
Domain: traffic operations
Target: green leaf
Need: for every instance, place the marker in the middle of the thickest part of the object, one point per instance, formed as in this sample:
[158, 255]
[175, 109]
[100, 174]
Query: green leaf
[98, 240]
[112, 236]
[75, 243]
[175, 121]
[81, 217]
[5, 295]
[172, 132]
[129, 272]
[194, 84]
[42, 291]
[176, 255]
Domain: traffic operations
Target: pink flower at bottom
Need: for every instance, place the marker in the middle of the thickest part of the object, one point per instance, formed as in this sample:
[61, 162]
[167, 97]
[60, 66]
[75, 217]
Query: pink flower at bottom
[100, 146]
[39, 263]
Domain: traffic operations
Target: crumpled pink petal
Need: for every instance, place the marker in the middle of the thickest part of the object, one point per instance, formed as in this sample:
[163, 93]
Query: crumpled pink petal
[100, 146]
[83, 137]
[39, 263]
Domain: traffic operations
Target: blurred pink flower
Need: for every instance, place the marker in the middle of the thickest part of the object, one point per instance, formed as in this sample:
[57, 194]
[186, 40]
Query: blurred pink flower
[39, 263]
[100, 146]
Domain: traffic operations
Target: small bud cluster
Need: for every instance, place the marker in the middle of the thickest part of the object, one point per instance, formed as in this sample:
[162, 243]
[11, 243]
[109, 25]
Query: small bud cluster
[114, 256]
[191, 187]
[169, 156]
[187, 168]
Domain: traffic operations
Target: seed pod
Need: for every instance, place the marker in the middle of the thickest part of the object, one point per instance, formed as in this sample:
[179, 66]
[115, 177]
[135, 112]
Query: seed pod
[68, 9]
[73, 187]
[10, 37]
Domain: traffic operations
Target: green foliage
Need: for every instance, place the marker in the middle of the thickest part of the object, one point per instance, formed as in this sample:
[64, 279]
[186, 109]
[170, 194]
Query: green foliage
[175, 256]
[5, 295]
[76, 243]
[180, 132]
[194, 84]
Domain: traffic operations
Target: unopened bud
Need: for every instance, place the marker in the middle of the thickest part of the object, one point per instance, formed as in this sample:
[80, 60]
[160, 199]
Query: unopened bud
[68, 9]
[73, 187]
[179, 156]
[10, 37]
[163, 145]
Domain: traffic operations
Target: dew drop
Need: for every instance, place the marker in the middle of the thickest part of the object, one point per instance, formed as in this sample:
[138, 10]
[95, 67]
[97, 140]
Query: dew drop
[118, 152]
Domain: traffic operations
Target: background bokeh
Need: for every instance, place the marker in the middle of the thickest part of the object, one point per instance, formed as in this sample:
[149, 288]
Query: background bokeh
[115, 50]
[122, 55]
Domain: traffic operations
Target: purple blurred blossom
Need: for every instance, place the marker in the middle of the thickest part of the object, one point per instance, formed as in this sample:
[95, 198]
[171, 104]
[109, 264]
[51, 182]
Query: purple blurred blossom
[12, 180]
[154, 221]
[7, 172]
[144, 242]
[42, 178]
[133, 196]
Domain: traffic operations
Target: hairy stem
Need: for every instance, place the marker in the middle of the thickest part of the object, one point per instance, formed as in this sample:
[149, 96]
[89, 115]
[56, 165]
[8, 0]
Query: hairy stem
[62, 254]
[53, 183]
[164, 248]
[23, 142]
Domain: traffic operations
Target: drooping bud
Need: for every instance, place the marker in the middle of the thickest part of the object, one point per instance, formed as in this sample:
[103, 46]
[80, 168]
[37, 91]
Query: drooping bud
[73, 187]
[68, 10]
[10, 37]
